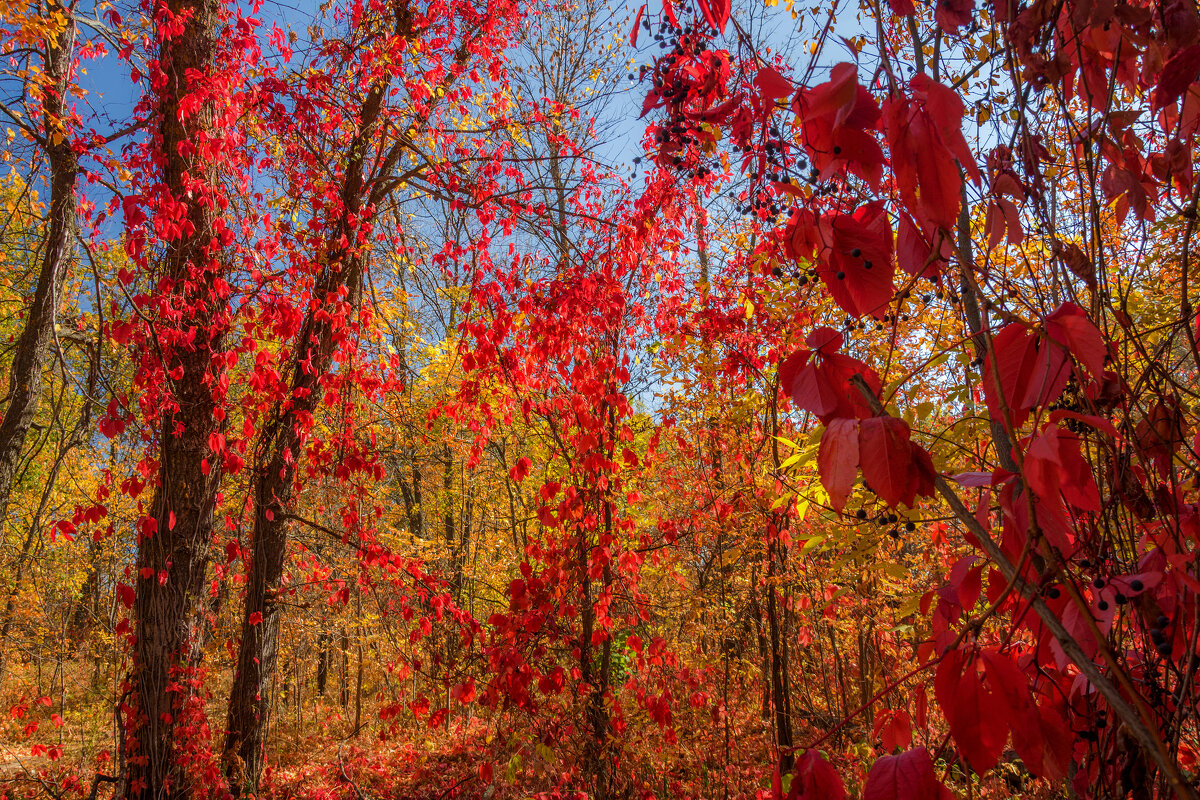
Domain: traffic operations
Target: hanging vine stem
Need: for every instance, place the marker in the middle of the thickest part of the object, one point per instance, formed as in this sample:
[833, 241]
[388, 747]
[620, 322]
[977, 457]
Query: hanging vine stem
[1149, 740]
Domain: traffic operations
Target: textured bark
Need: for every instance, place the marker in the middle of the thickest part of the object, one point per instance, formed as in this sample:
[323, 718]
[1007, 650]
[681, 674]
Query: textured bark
[175, 555]
[25, 378]
[780, 691]
[594, 680]
[276, 468]
[274, 495]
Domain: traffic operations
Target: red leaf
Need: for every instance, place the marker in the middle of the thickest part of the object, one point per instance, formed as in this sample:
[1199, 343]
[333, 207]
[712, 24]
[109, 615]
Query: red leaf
[857, 265]
[954, 14]
[1177, 75]
[903, 8]
[1070, 327]
[837, 460]
[886, 457]
[716, 12]
[825, 340]
[908, 776]
[772, 86]
[637, 24]
[463, 692]
[966, 580]
[1007, 679]
[839, 118]
[946, 110]
[924, 132]
[893, 728]
[520, 470]
[722, 9]
[1078, 482]
[914, 254]
[800, 380]
[1030, 374]
[978, 715]
[814, 778]
[669, 11]
[1015, 351]
[1051, 372]
[1059, 743]
[819, 382]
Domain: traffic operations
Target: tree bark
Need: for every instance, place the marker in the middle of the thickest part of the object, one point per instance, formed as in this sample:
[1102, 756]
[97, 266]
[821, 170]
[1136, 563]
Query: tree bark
[780, 700]
[274, 494]
[33, 346]
[173, 549]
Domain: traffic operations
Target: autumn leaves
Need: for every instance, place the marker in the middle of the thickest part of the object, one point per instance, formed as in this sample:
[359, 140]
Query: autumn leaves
[841, 391]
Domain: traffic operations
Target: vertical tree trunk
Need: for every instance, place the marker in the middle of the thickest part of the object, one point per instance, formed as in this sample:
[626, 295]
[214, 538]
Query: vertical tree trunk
[760, 636]
[594, 681]
[597, 678]
[358, 677]
[173, 549]
[345, 648]
[323, 642]
[33, 346]
[280, 441]
[781, 707]
[455, 553]
[249, 702]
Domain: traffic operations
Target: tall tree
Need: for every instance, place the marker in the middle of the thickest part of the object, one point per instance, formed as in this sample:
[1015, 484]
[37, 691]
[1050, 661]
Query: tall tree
[377, 151]
[50, 82]
[181, 238]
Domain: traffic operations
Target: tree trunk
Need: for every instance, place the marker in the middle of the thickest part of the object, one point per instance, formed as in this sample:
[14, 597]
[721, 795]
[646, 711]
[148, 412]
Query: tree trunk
[323, 642]
[173, 548]
[345, 674]
[33, 346]
[781, 706]
[277, 465]
[595, 683]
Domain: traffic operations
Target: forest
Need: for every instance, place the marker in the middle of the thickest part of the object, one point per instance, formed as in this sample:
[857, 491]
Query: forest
[579, 399]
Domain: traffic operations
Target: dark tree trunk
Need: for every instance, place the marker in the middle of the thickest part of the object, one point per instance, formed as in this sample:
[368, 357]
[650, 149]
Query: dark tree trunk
[345, 674]
[274, 494]
[312, 359]
[594, 678]
[173, 551]
[597, 677]
[33, 346]
[760, 637]
[780, 700]
[323, 642]
[448, 527]
[411, 494]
